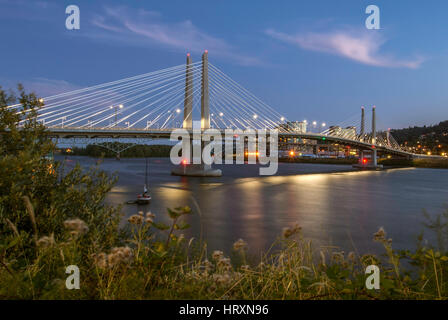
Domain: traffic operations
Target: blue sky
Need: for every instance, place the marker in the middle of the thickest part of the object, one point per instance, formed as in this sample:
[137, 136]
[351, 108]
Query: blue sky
[311, 60]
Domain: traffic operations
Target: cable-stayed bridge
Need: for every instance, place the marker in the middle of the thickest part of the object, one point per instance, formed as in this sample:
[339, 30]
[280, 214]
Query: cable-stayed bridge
[151, 105]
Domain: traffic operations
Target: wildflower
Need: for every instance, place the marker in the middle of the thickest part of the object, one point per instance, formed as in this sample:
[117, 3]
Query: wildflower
[100, 260]
[217, 255]
[208, 264]
[290, 231]
[245, 267]
[140, 213]
[239, 244]
[136, 219]
[224, 263]
[149, 220]
[76, 226]
[380, 235]
[221, 278]
[150, 215]
[46, 242]
[119, 255]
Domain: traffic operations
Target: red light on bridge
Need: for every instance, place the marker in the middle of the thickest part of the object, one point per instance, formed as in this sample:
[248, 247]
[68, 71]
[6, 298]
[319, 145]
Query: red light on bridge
[364, 161]
[184, 162]
[188, 54]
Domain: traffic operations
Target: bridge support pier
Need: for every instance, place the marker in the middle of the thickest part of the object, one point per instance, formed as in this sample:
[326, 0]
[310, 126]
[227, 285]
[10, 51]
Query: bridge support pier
[372, 164]
[202, 169]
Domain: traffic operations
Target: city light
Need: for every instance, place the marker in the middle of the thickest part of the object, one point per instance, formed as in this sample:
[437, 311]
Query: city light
[120, 106]
[291, 153]
[323, 124]
[178, 110]
[282, 119]
[221, 114]
[314, 123]
[255, 116]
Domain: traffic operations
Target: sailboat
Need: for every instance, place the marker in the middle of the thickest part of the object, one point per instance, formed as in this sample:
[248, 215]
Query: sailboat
[144, 197]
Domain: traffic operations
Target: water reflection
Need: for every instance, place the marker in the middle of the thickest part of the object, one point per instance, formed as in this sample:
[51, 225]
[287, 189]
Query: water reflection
[342, 209]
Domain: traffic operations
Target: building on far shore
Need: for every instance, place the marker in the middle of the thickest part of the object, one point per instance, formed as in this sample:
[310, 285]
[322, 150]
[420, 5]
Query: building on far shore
[294, 126]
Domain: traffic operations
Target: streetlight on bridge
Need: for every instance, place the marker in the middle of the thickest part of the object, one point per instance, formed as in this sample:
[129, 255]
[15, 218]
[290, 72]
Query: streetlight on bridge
[117, 107]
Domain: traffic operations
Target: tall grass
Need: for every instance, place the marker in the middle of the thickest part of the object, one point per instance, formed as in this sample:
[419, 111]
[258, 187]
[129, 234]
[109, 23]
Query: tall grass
[151, 260]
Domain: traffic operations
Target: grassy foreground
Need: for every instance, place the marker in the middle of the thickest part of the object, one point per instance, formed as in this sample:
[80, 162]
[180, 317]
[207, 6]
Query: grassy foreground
[52, 218]
[154, 261]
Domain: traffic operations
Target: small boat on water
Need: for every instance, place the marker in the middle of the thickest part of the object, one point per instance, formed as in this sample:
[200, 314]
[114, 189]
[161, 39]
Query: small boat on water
[145, 197]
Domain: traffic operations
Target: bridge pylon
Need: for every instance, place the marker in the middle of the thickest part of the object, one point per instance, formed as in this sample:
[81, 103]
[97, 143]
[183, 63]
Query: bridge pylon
[189, 168]
[188, 101]
[363, 163]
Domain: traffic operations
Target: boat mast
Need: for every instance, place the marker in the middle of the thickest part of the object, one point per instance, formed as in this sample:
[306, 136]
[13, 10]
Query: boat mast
[146, 176]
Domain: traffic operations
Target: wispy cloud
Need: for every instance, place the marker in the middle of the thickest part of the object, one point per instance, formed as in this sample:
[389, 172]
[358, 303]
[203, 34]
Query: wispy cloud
[147, 28]
[360, 46]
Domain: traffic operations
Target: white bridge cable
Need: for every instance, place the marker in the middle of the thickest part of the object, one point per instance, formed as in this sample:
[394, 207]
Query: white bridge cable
[248, 94]
[222, 101]
[82, 110]
[74, 92]
[174, 85]
[171, 110]
[144, 108]
[180, 95]
[145, 75]
[113, 91]
[145, 93]
[106, 117]
[238, 100]
[348, 121]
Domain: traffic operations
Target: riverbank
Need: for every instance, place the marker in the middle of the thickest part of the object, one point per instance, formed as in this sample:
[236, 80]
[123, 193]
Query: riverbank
[387, 163]
[129, 150]
[417, 163]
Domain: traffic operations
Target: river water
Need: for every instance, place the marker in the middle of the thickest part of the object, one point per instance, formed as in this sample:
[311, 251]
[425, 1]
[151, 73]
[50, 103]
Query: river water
[333, 204]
